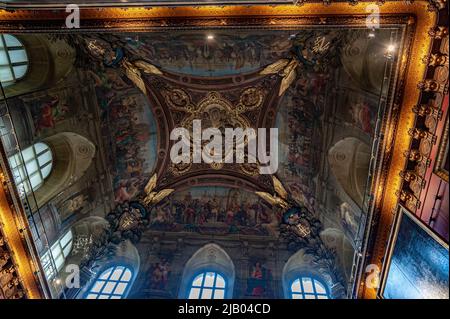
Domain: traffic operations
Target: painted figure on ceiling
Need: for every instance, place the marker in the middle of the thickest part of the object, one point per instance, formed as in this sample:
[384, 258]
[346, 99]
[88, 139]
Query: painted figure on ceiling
[160, 275]
[362, 116]
[258, 280]
[49, 112]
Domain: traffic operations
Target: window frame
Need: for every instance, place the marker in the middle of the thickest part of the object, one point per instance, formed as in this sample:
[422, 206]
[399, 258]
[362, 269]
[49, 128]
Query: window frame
[4, 47]
[48, 258]
[19, 166]
[202, 285]
[110, 295]
[302, 292]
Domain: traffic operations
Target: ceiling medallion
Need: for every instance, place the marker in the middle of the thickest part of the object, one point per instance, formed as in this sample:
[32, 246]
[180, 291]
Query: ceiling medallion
[218, 112]
[250, 99]
[179, 100]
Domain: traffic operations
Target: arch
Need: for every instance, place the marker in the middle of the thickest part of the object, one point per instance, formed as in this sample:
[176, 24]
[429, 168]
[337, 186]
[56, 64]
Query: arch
[54, 258]
[361, 62]
[112, 283]
[126, 255]
[349, 161]
[208, 285]
[13, 59]
[89, 228]
[34, 162]
[48, 62]
[302, 264]
[307, 287]
[336, 240]
[209, 258]
[72, 156]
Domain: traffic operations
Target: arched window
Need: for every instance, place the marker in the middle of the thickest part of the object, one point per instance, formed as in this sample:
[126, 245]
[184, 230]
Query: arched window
[13, 59]
[308, 288]
[35, 162]
[208, 285]
[208, 274]
[113, 283]
[53, 259]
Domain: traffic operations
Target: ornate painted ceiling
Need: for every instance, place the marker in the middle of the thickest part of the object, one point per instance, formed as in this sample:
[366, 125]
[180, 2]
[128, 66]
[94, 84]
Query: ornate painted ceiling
[331, 92]
[319, 86]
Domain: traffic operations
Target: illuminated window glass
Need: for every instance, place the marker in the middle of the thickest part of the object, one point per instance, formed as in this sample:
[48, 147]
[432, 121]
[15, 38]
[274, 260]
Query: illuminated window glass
[207, 285]
[13, 59]
[111, 284]
[35, 162]
[308, 288]
[53, 259]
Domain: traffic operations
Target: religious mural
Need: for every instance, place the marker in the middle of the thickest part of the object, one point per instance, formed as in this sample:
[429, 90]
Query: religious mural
[145, 84]
[215, 210]
[48, 112]
[159, 273]
[130, 128]
[321, 108]
[195, 54]
[259, 280]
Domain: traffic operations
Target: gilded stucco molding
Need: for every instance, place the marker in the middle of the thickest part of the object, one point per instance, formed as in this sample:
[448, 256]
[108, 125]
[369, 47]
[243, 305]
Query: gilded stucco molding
[18, 268]
[434, 87]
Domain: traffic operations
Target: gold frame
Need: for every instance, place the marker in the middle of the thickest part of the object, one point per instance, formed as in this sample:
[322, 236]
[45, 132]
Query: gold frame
[442, 154]
[16, 231]
[393, 240]
[396, 141]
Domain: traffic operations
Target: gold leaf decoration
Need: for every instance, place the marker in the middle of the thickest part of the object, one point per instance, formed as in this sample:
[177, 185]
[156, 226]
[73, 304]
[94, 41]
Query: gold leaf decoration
[161, 195]
[149, 198]
[267, 197]
[279, 188]
[289, 75]
[274, 68]
[273, 200]
[147, 67]
[151, 184]
[134, 75]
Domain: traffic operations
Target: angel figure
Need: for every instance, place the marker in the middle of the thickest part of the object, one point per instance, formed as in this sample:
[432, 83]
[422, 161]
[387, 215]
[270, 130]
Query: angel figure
[116, 58]
[152, 197]
[294, 217]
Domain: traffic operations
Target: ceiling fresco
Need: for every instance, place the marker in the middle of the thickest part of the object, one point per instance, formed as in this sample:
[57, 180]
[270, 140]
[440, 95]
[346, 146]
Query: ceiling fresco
[319, 86]
[115, 159]
[223, 80]
[193, 71]
[223, 54]
[217, 211]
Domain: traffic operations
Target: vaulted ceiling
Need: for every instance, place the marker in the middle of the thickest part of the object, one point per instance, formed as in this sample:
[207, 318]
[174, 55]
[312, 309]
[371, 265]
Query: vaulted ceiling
[332, 93]
[319, 86]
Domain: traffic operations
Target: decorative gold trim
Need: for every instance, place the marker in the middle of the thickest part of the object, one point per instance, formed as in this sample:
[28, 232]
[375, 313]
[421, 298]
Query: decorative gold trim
[218, 15]
[442, 155]
[14, 230]
[396, 142]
